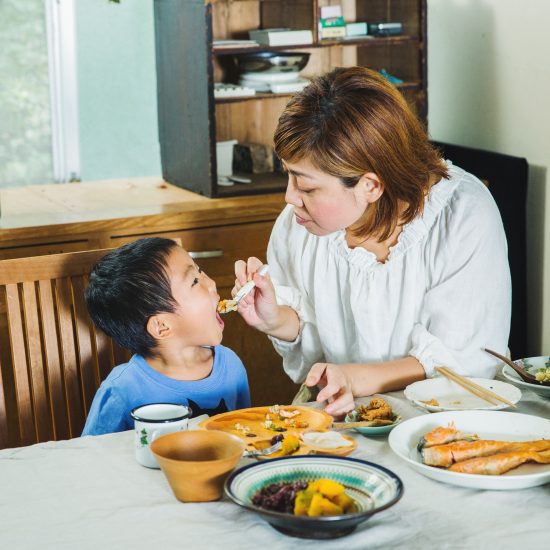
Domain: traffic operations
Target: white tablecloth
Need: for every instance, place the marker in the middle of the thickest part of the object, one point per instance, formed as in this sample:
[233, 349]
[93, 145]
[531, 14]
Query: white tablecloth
[89, 493]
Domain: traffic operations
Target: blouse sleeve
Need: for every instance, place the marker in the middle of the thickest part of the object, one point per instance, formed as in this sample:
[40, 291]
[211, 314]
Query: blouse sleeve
[467, 304]
[287, 267]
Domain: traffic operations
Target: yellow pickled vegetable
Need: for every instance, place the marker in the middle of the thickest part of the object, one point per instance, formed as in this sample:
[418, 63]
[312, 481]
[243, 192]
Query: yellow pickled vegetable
[323, 497]
[326, 487]
[345, 502]
[321, 506]
[302, 502]
[290, 444]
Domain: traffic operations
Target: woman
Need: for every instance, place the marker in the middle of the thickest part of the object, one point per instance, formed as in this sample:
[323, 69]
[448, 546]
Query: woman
[387, 260]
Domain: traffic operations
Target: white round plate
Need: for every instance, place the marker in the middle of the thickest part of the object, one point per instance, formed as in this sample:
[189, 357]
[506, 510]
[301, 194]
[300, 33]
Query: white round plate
[452, 397]
[505, 426]
[532, 365]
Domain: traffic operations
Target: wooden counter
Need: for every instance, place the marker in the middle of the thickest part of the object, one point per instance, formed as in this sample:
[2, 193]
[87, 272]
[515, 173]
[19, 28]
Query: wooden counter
[109, 207]
[55, 218]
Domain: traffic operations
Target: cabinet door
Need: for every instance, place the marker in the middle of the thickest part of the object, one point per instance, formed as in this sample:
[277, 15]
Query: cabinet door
[216, 249]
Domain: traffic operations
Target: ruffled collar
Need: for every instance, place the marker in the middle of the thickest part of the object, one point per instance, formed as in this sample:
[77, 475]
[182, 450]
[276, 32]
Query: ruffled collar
[437, 199]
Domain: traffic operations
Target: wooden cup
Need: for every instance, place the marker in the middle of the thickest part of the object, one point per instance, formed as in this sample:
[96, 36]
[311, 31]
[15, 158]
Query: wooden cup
[197, 462]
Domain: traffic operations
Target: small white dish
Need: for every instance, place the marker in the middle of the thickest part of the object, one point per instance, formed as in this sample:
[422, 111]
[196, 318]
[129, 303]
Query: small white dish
[449, 396]
[532, 365]
[505, 426]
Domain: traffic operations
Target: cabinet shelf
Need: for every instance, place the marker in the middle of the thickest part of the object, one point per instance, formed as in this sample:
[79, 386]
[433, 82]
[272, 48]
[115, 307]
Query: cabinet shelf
[192, 120]
[260, 96]
[327, 43]
[274, 182]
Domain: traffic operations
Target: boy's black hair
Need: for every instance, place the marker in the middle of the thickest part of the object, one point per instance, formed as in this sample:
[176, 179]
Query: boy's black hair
[127, 287]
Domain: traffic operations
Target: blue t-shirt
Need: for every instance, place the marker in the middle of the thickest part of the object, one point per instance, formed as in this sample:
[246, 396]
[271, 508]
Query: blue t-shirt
[135, 383]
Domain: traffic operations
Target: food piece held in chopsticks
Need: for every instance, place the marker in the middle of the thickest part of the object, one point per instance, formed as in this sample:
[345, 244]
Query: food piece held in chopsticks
[225, 306]
[441, 435]
[446, 455]
[501, 463]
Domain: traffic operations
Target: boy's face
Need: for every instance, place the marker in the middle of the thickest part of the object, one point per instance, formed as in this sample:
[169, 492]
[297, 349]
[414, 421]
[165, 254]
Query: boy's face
[196, 319]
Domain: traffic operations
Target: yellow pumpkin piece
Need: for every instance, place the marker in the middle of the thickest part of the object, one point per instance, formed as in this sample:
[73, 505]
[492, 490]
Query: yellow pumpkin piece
[290, 444]
[321, 506]
[345, 502]
[302, 502]
[327, 487]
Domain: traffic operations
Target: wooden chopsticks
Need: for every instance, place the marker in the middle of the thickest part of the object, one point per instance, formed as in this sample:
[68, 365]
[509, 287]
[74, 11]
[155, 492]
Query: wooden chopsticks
[472, 387]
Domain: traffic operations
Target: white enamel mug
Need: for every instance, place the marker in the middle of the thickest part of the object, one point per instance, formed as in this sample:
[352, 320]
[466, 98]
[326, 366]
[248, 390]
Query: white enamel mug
[152, 421]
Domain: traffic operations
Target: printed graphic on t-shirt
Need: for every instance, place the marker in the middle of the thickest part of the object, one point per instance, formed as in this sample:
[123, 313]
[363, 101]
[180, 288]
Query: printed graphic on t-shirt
[197, 410]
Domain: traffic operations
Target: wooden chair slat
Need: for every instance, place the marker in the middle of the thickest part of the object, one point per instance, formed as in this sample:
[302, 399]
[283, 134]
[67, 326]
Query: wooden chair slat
[64, 302]
[88, 360]
[105, 357]
[120, 354]
[4, 441]
[39, 388]
[27, 431]
[53, 266]
[53, 362]
[52, 358]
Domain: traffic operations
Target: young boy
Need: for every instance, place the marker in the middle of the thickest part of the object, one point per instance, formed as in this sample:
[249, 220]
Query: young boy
[152, 299]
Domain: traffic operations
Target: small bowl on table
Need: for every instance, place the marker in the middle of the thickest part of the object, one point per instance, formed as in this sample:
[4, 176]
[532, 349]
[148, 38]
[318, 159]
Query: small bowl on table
[373, 430]
[196, 463]
[372, 487]
[531, 365]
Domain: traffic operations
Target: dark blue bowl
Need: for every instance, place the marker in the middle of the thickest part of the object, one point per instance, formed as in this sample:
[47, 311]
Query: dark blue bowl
[373, 487]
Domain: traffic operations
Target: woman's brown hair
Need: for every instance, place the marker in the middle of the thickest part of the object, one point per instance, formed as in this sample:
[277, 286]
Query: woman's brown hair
[351, 121]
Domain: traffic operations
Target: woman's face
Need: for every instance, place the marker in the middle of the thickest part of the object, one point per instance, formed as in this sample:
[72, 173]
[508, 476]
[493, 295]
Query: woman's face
[322, 204]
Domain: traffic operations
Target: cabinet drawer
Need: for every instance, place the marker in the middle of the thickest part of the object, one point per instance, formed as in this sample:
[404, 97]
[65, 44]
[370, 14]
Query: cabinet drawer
[217, 248]
[23, 251]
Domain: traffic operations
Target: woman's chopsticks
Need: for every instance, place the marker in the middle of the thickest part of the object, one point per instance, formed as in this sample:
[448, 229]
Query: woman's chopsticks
[472, 387]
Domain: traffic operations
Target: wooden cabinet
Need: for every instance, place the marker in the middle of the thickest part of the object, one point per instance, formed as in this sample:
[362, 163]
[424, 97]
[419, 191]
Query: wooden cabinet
[191, 120]
[217, 231]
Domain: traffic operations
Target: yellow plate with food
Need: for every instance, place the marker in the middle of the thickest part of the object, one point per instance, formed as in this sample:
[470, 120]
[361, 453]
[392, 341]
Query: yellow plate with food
[260, 427]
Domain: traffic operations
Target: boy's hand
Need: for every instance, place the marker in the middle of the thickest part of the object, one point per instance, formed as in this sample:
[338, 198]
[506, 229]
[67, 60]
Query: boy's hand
[259, 307]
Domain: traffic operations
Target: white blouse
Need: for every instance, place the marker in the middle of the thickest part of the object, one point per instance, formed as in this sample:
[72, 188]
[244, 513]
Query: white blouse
[443, 294]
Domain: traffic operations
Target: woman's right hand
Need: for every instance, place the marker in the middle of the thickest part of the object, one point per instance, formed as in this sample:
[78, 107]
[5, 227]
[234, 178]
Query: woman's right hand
[259, 307]
[336, 387]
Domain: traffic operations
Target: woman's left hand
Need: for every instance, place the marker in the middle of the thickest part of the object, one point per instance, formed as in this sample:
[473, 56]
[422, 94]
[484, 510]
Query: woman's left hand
[336, 387]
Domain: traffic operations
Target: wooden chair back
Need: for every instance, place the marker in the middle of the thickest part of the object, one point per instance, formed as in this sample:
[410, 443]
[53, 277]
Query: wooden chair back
[52, 358]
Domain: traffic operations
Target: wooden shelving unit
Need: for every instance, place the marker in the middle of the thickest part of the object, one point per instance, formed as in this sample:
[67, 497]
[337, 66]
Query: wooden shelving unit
[192, 120]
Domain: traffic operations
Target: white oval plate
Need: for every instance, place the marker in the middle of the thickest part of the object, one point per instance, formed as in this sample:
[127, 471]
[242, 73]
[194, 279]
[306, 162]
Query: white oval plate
[452, 397]
[532, 365]
[506, 426]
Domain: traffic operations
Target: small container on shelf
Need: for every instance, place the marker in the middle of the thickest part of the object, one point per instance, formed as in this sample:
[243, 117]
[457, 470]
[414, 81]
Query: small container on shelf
[224, 161]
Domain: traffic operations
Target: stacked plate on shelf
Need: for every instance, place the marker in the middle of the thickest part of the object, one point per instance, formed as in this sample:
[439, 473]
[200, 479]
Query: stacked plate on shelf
[276, 72]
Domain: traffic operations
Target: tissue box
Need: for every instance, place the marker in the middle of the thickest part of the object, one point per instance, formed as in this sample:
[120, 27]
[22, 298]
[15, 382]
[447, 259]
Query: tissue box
[357, 29]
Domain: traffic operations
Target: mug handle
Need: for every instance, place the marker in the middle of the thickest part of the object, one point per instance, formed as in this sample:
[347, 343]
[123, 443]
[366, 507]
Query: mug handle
[154, 435]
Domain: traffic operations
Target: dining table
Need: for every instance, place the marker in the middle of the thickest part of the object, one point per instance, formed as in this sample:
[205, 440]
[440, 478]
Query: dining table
[90, 493]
